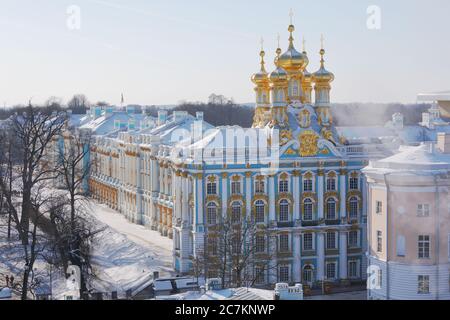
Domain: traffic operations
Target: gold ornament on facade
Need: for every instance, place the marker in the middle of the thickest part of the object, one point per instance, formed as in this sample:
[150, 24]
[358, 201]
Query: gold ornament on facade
[308, 143]
[304, 118]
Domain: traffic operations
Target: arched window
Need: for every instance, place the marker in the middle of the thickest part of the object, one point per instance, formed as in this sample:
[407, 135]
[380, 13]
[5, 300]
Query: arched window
[284, 211]
[354, 208]
[236, 212]
[212, 213]
[331, 209]
[283, 186]
[308, 274]
[260, 211]
[307, 210]
[354, 183]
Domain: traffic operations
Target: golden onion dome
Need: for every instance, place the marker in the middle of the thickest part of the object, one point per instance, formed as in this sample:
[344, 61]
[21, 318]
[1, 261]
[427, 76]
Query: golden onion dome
[322, 75]
[279, 74]
[292, 60]
[261, 77]
[306, 74]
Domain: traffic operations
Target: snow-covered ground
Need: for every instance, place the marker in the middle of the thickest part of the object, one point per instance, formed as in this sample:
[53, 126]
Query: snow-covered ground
[126, 254]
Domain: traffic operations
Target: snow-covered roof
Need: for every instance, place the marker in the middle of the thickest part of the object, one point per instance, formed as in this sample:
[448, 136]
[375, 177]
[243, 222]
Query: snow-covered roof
[421, 159]
[5, 293]
[225, 294]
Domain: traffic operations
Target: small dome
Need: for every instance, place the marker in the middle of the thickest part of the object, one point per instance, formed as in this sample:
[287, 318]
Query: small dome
[279, 74]
[323, 75]
[261, 77]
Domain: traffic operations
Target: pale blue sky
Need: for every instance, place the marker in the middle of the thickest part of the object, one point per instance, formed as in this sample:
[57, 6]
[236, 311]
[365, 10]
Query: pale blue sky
[162, 52]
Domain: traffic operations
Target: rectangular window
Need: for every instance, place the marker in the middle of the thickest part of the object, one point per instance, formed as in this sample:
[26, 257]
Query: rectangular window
[354, 183]
[259, 275]
[284, 243]
[284, 274]
[308, 242]
[353, 239]
[260, 244]
[379, 241]
[211, 188]
[424, 247]
[259, 187]
[379, 207]
[401, 244]
[380, 278]
[235, 187]
[331, 240]
[331, 184]
[353, 269]
[331, 270]
[283, 186]
[307, 185]
[423, 210]
[423, 284]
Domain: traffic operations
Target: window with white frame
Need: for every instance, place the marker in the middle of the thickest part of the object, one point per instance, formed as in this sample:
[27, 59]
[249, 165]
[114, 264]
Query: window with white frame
[284, 274]
[331, 240]
[331, 270]
[424, 247]
[284, 211]
[235, 187]
[353, 271]
[307, 210]
[260, 244]
[331, 209]
[331, 184]
[353, 207]
[353, 239]
[260, 275]
[423, 284]
[211, 188]
[354, 183]
[423, 210]
[259, 187]
[401, 246]
[212, 246]
[307, 185]
[308, 242]
[379, 241]
[379, 207]
[283, 243]
[307, 274]
[283, 186]
[236, 212]
[211, 213]
[260, 211]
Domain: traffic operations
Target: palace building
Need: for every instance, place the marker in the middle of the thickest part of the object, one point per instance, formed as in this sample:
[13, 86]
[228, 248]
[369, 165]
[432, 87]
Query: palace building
[178, 174]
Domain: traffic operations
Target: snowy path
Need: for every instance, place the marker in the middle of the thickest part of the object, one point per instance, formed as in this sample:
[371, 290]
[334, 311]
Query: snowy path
[125, 253]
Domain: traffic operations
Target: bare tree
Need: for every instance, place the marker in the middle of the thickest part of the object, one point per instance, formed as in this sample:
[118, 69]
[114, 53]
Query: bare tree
[234, 254]
[78, 104]
[24, 191]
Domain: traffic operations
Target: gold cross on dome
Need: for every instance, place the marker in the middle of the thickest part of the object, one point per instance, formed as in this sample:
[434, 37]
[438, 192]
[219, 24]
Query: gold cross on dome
[322, 40]
[291, 14]
[262, 43]
[278, 39]
[304, 44]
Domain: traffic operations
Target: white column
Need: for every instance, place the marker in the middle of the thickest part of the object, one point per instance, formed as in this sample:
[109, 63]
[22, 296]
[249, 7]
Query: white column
[224, 194]
[178, 186]
[139, 218]
[199, 198]
[343, 255]
[272, 216]
[296, 197]
[296, 267]
[343, 193]
[248, 194]
[185, 201]
[320, 187]
[320, 256]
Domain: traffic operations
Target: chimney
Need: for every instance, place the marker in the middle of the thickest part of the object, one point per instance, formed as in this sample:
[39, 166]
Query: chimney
[443, 142]
[162, 117]
[199, 115]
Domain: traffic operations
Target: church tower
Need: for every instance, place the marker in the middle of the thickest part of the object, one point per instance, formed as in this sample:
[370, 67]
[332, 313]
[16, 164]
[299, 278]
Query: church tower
[262, 91]
[322, 79]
